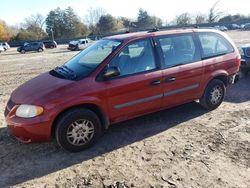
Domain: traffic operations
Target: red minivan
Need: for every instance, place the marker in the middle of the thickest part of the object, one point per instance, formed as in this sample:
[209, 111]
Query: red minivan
[119, 78]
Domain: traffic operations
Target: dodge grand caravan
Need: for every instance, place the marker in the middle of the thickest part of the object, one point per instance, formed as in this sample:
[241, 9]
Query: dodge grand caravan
[119, 78]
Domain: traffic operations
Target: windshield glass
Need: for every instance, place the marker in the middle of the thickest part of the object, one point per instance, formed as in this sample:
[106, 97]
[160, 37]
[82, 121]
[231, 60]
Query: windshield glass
[86, 61]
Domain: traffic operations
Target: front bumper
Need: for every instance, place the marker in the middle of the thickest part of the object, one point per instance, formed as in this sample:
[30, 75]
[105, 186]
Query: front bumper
[30, 133]
[72, 47]
[29, 130]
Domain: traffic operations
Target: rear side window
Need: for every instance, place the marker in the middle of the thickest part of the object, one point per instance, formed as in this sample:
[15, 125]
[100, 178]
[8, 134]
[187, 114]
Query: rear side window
[178, 50]
[214, 44]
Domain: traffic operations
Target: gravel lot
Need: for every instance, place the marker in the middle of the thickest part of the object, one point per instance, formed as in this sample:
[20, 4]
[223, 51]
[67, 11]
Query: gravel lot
[185, 146]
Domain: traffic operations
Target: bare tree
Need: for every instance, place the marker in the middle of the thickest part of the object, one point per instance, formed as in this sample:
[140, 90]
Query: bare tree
[183, 19]
[35, 24]
[214, 13]
[93, 15]
[200, 18]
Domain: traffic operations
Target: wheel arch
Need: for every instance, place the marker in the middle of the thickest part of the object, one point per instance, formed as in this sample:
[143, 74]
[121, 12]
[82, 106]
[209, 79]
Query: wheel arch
[220, 75]
[90, 106]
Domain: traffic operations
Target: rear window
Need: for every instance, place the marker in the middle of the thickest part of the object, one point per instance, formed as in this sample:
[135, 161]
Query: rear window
[214, 44]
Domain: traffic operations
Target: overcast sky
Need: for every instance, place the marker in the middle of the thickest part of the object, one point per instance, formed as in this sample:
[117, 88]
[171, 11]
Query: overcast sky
[14, 11]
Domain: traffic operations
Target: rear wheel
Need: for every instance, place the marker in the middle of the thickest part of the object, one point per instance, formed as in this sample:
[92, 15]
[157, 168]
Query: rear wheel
[213, 95]
[77, 129]
[23, 51]
[40, 50]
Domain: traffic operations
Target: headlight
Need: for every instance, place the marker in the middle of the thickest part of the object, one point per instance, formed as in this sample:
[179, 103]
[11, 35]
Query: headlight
[28, 111]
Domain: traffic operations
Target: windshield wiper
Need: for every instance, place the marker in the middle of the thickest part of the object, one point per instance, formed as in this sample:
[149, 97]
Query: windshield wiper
[68, 73]
[70, 70]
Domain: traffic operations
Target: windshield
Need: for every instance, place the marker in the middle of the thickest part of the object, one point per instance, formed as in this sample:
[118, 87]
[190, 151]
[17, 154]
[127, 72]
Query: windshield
[86, 61]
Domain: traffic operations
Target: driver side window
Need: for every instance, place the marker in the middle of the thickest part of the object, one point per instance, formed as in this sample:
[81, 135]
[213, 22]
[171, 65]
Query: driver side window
[135, 58]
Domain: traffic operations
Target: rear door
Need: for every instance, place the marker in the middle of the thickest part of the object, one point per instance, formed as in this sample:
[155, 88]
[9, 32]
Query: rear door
[182, 68]
[138, 88]
[28, 47]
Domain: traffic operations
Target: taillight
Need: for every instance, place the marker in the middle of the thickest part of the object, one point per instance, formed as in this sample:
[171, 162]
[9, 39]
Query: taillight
[238, 60]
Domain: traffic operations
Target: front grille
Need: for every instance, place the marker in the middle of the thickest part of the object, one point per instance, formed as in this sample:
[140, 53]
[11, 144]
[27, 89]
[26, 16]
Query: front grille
[247, 51]
[72, 46]
[9, 106]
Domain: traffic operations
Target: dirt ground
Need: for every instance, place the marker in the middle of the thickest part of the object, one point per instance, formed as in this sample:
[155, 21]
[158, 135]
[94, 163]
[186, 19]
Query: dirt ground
[185, 146]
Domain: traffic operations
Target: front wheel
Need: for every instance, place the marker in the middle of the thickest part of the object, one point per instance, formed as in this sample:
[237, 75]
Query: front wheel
[77, 129]
[213, 95]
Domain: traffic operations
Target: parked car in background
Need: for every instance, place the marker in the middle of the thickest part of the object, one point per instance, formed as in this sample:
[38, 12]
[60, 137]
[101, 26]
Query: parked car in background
[31, 46]
[1, 49]
[5, 45]
[221, 28]
[50, 44]
[78, 44]
[245, 59]
[246, 27]
[119, 78]
[233, 26]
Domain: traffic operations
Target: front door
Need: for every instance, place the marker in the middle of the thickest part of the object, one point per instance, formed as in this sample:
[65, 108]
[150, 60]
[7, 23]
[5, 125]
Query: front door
[138, 88]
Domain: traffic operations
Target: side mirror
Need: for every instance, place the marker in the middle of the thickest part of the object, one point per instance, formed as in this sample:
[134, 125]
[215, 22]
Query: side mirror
[111, 72]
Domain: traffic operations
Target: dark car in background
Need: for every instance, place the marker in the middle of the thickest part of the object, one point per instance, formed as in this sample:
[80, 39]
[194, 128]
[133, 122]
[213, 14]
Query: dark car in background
[50, 44]
[32, 46]
[245, 58]
[246, 27]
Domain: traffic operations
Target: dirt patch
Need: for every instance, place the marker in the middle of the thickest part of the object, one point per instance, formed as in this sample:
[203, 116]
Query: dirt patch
[185, 146]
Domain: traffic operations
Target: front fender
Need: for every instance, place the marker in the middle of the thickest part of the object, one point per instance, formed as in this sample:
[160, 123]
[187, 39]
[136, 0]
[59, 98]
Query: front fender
[57, 109]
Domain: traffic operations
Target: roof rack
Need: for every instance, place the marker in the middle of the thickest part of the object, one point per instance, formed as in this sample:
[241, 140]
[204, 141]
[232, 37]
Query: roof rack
[153, 30]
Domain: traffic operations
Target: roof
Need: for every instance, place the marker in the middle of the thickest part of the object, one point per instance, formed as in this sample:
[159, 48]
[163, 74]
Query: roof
[143, 34]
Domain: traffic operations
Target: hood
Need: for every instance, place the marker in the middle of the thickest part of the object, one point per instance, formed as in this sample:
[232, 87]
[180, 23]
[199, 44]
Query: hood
[74, 42]
[40, 89]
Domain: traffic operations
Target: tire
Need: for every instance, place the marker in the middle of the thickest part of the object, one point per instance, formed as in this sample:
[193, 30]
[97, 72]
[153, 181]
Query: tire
[69, 133]
[213, 95]
[40, 50]
[23, 51]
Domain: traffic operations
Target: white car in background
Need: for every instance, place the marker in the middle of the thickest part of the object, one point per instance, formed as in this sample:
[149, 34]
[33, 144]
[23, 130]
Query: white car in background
[5, 45]
[1, 49]
[78, 44]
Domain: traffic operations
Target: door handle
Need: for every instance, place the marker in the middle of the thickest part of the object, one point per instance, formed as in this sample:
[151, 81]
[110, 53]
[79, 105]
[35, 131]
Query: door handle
[156, 82]
[171, 79]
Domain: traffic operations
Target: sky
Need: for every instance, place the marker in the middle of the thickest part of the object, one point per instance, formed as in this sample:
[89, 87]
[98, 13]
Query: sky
[15, 11]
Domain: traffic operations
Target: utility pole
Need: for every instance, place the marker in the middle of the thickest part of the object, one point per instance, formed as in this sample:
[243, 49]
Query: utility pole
[52, 35]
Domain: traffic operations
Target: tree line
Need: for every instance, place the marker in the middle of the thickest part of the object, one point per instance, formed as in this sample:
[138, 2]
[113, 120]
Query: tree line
[67, 24]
